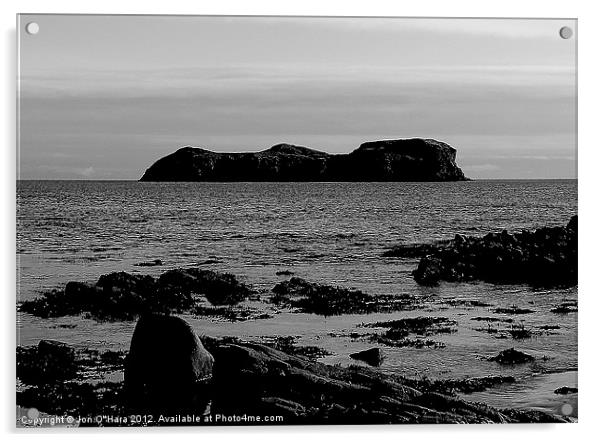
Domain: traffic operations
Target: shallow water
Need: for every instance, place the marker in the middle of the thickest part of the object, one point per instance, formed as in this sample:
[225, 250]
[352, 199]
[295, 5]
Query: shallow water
[334, 233]
[536, 391]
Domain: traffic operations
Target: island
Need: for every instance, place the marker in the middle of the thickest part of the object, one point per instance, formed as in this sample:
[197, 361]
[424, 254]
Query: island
[413, 159]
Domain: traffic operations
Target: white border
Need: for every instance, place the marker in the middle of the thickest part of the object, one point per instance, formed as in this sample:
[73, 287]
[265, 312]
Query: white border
[590, 116]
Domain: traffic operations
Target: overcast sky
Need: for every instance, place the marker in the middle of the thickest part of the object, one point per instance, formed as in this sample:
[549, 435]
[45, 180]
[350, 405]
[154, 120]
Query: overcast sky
[103, 97]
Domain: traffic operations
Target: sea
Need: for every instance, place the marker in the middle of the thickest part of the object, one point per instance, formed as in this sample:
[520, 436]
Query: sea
[329, 233]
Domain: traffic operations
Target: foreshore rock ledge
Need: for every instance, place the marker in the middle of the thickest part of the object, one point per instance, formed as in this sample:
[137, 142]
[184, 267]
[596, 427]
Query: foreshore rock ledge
[544, 257]
[242, 378]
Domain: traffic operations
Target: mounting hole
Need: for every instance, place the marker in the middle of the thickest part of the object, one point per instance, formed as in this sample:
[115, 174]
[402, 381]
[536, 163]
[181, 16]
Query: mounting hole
[566, 409]
[566, 32]
[32, 28]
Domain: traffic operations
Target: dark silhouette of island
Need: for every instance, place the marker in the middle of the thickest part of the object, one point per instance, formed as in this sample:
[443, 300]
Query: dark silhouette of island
[413, 159]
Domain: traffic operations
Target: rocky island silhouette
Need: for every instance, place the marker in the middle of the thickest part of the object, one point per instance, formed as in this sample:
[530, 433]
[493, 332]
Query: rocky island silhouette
[413, 159]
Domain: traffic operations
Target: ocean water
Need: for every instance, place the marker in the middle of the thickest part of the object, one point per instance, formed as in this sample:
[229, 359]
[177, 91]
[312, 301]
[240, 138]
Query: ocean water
[332, 233]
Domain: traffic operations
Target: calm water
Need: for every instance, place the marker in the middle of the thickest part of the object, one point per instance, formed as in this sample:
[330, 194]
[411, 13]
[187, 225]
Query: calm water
[333, 233]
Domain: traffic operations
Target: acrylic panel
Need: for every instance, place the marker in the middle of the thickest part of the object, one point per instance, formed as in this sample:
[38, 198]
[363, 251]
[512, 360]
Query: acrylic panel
[231, 220]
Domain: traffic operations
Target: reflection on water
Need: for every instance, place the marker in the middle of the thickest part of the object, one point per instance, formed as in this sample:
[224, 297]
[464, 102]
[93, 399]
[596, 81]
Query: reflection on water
[332, 233]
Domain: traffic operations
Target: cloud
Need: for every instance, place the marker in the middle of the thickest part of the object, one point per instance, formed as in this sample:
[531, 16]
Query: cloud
[480, 167]
[496, 90]
[87, 172]
[518, 28]
[245, 79]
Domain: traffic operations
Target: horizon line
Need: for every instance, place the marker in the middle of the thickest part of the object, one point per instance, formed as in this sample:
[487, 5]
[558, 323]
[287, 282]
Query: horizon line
[284, 182]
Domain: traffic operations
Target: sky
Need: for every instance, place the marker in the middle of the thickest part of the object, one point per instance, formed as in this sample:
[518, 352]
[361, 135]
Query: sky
[103, 97]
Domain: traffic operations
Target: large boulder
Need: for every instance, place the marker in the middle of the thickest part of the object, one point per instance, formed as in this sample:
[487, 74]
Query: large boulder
[167, 370]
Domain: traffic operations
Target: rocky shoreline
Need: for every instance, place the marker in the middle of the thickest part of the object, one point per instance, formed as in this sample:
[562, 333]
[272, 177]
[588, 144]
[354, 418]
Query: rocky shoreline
[544, 257]
[233, 377]
[276, 376]
[125, 296]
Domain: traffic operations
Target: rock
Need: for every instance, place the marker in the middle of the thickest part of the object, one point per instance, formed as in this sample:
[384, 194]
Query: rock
[532, 416]
[125, 282]
[566, 390]
[573, 224]
[284, 273]
[253, 379]
[231, 313]
[218, 288]
[79, 291]
[467, 385]
[512, 356]
[287, 344]
[124, 296]
[421, 326]
[565, 307]
[388, 160]
[416, 250]
[50, 361]
[544, 257]
[465, 303]
[372, 356]
[549, 327]
[329, 301]
[115, 296]
[492, 319]
[167, 369]
[320, 299]
[428, 271]
[460, 239]
[513, 310]
[61, 302]
[48, 349]
[293, 288]
[251, 376]
[156, 262]
[80, 399]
